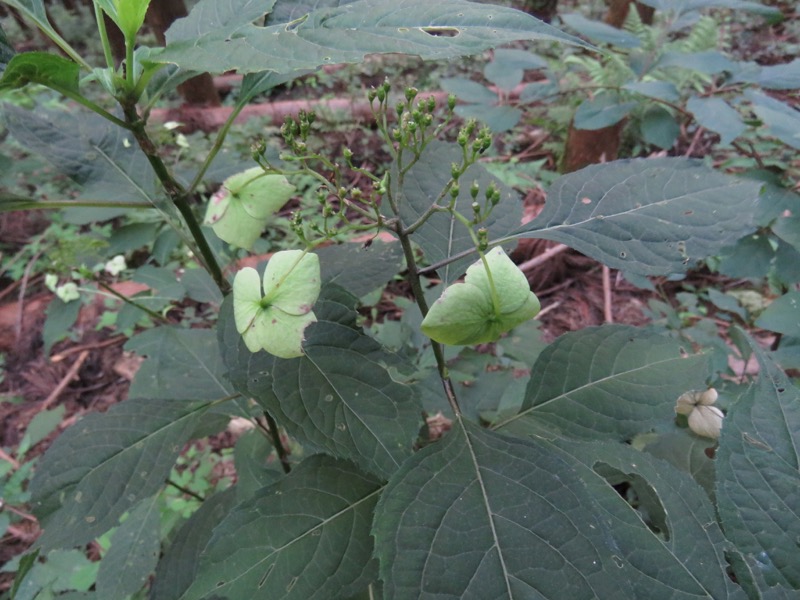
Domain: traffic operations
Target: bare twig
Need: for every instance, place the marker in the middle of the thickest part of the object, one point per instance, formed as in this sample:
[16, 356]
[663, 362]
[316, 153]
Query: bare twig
[73, 370]
[531, 264]
[9, 459]
[23, 288]
[75, 349]
[695, 139]
[608, 313]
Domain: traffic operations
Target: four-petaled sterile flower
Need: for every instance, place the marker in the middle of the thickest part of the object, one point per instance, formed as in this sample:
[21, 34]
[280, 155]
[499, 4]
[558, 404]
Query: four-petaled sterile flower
[704, 419]
[274, 319]
[244, 204]
[484, 306]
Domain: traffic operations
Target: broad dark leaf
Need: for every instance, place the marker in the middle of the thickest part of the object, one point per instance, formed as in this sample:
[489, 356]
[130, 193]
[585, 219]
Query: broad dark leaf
[306, 537]
[609, 382]
[103, 158]
[781, 119]
[718, 116]
[106, 463]
[647, 216]
[134, 552]
[181, 363]
[339, 398]
[209, 17]
[347, 33]
[481, 515]
[360, 270]
[758, 474]
[180, 564]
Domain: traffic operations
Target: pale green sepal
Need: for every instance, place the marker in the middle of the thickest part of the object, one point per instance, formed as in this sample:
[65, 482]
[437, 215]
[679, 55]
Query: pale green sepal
[466, 314]
[292, 281]
[275, 318]
[242, 207]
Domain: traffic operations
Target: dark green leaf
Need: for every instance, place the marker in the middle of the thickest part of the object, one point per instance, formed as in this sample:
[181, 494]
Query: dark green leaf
[509, 65]
[468, 91]
[782, 120]
[132, 558]
[782, 315]
[6, 51]
[780, 77]
[179, 566]
[305, 537]
[181, 363]
[103, 158]
[609, 382]
[441, 236]
[749, 257]
[602, 111]
[162, 280]
[339, 398]
[106, 463]
[345, 34]
[208, 17]
[200, 287]
[659, 127]
[258, 83]
[687, 453]
[709, 62]
[481, 515]
[26, 563]
[496, 118]
[718, 116]
[598, 31]
[253, 471]
[758, 474]
[647, 216]
[61, 316]
[43, 68]
[376, 265]
[42, 425]
[662, 90]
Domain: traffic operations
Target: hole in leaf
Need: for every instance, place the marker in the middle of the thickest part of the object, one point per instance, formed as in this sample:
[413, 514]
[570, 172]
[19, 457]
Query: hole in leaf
[640, 495]
[441, 31]
[266, 576]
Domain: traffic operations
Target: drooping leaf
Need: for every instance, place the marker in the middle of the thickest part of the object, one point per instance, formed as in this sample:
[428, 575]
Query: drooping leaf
[688, 453]
[61, 316]
[647, 216]
[339, 397]
[609, 382]
[105, 464]
[305, 537]
[7, 52]
[602, 111]
[718, 116]
[134, 551]
[442, 237]
[209, 17]
[782, 120]
[178, 567]
[774, 77]
[758, 474]
[253, 472]
[467, 90]
[659, 127]
[510, 518]
[496, 118]
[782, 315]
[103, 158]
[494, 298]
[598, 31]
[509, 65]
[180, 363]
[662, 90]
[43, 68]
[347, 33]
[200, 287]
[377, 265]
[709, 62]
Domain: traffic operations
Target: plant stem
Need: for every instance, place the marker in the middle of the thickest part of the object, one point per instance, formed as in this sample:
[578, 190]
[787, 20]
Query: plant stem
[176, 193]
[90, 105]
[277, 442]
[186, 490]
[101, 29]
[419, 296]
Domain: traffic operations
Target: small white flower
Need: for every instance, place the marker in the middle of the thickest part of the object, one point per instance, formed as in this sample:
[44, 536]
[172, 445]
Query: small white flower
[181, 140]
[170, 125]
[68, 292]
[116, 265]
[704, 419]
